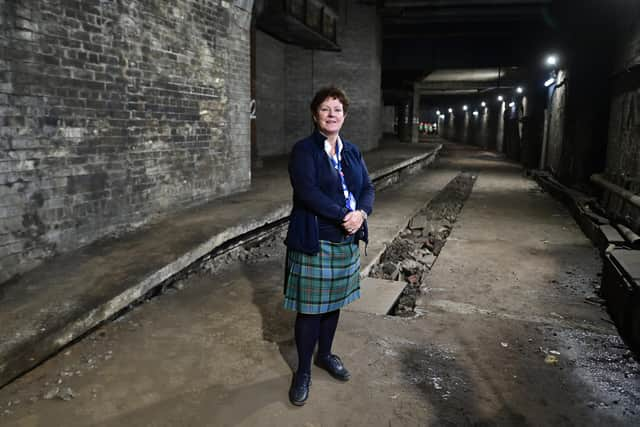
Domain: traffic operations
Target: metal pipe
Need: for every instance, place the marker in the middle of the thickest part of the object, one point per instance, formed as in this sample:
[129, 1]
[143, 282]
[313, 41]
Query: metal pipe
[632, 198]
[628, 234]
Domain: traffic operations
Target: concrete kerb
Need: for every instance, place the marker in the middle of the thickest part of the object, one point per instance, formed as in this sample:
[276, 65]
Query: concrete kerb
[27, 353]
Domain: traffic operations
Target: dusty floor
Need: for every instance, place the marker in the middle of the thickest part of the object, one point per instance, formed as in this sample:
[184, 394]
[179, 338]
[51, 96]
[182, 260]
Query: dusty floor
[505, 334]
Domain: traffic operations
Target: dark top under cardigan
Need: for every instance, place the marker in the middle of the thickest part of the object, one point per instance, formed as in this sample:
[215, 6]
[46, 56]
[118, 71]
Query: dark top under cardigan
[318, 195]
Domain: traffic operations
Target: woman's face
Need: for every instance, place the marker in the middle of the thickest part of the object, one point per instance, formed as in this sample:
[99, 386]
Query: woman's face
[330, 116]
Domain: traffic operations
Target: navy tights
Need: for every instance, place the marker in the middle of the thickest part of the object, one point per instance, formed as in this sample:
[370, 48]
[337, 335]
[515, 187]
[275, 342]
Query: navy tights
[311, 329]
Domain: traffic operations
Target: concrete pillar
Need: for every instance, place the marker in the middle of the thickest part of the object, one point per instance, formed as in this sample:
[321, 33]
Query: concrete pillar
[404, 122]
[415, 113]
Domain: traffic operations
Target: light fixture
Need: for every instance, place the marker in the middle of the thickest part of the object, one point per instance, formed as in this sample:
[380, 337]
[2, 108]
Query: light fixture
[512, 104]
[475, 113]
[465, 108]
[519, 89]
[442, 116]
[438, 112]
[549, 81]
[483, 104]
[500, 98]
[450, 110]
[552, 60]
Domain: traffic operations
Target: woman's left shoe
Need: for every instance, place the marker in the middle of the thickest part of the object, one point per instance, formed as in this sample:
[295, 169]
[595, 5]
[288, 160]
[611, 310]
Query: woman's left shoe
[299, 390]
[332, 364]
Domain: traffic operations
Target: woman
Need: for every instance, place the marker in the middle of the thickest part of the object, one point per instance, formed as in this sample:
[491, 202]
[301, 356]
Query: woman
[332, 196]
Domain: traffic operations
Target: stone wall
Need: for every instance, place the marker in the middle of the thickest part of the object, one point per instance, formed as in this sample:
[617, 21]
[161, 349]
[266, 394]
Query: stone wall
[623, 142]
[113, 112]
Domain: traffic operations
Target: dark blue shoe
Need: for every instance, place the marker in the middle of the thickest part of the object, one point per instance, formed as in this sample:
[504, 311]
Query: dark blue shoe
[299, 391]
[332, 364]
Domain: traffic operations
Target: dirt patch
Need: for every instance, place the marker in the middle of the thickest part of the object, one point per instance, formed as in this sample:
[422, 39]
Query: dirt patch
[413, 253]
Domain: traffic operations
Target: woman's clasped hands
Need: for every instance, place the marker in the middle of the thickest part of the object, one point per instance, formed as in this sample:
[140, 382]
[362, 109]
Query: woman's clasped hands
[353, 221]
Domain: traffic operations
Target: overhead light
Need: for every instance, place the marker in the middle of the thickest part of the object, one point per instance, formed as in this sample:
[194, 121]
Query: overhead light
[552, 60]
[512, 104]
[475, 113]
[519, 89]
[483, 104]
[500, 98]
[550, 81]
[465, 108]
[450, 110]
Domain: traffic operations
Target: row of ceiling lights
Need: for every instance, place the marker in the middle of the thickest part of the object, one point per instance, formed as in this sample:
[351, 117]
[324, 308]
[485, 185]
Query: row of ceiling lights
[483, 104]
[551, 61]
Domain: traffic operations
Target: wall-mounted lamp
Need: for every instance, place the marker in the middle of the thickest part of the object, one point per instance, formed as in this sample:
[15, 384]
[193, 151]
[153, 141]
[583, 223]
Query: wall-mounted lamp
[519, 89]
[450, 110]
[465, 108]
[438, 112]
[475, 113]
[483, 104]
[500, 98]
[552, 60]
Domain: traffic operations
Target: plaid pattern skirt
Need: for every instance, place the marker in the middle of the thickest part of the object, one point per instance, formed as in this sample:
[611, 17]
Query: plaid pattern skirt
[323, 282]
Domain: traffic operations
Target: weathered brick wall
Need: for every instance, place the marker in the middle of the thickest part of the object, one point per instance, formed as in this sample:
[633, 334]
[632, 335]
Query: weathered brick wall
[300, 90]
[357, 69]
[270, 95]
[112, 112]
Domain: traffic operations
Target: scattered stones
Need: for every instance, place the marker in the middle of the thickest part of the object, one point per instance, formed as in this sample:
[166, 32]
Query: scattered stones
[412, 254]
[62, 393]
[550, 359]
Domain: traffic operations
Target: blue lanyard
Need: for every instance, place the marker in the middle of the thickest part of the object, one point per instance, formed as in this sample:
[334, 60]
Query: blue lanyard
[349, 200]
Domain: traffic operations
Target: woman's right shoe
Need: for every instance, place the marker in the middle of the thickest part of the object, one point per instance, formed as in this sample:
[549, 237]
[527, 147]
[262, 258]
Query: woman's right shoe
[299, 391]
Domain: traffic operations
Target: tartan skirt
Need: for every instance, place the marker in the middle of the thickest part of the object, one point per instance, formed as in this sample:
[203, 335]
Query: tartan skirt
[323, 282]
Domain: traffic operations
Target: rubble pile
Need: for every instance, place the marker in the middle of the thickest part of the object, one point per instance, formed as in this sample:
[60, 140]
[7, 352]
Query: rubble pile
[413, 253]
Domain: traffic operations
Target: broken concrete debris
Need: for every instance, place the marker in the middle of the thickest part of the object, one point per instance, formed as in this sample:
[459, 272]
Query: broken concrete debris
[413, 253]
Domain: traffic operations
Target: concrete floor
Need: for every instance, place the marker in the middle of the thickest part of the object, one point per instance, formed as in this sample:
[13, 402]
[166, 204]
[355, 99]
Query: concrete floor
[508, 288]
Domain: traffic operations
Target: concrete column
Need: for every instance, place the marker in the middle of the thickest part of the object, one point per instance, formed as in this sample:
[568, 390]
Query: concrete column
[404, 122]
[415, 113]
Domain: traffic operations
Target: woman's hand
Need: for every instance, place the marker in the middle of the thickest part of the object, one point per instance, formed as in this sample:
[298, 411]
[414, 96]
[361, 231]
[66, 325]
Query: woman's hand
[353, 221]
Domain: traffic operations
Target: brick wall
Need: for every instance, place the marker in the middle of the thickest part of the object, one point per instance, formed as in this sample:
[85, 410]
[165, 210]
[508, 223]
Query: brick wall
[357, 69]
[270, 95]
[112, 112]
[300, 90]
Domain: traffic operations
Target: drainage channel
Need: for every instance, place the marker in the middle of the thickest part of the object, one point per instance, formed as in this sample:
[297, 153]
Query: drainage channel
[412, 254]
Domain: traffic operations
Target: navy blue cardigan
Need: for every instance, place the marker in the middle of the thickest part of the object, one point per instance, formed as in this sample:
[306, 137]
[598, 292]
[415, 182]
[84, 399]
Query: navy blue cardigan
[317, 191]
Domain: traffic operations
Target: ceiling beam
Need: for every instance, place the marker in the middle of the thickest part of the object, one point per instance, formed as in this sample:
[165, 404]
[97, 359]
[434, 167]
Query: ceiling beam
[469, 86]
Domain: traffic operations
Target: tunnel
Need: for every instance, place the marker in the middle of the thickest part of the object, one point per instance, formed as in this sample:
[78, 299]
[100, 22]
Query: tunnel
[148, 183]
